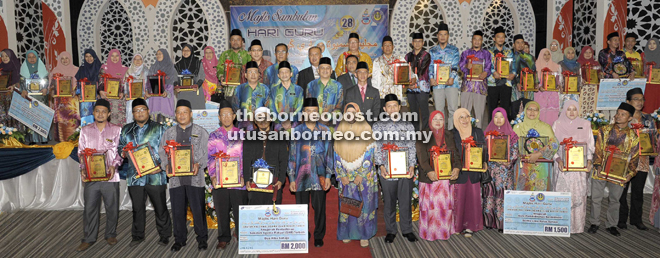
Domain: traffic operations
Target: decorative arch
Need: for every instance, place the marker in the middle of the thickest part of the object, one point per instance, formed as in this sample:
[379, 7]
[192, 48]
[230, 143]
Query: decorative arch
[189, 26]
[498, 13]
[116, 32]
[425, 16]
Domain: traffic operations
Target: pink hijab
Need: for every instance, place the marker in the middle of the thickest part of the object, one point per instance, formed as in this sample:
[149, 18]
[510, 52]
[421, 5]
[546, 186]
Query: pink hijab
[578, 128]
[505, 129]
[582, 60]
[116, 70]
[438, 133]
[66, 70]
[541, 63]
[210, 66]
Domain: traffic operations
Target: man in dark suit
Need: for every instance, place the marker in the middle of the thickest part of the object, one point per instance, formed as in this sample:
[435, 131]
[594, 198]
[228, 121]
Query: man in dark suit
[311, 73]
[363, 94]
[349, 79]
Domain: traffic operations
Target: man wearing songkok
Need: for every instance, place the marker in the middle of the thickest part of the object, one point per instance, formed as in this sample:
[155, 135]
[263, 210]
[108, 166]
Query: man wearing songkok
[473, 92]
[285, 97]
[521, 60]
[499, 86]
[614, 61]
[257, 54]
[619, 138]
[383, 71]
[100, 136]
[635, 97]
[226, 198]
[271, 76]
[367, 97]
[353, 49]
[235, 54]
[311, 165]
[328, 92]
[273, 152]
[395, 189]
[418, 90]
[250, 95]
[312, 72]
[144, 131]
[187, 190]
[448, 92]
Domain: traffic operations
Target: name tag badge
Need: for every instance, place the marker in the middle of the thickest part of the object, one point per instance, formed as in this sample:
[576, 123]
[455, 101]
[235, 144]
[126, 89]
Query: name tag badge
[579, 128]
[109, 140]
[194, 135]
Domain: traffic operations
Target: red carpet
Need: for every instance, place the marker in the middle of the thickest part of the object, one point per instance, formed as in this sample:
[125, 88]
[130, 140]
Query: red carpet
[332, 247]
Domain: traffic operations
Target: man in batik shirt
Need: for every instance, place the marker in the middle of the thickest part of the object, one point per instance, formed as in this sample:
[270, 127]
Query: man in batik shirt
[474, 85]
[448, 54]
[236, 54]
[328, 92]
[250, 95]
[271, 76]
[353, 49]
[613, 61]
[285, 97]
[383, 72]
[499, 87]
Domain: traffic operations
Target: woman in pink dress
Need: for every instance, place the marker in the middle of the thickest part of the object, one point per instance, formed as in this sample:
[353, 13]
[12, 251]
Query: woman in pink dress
[548, 100]
[435, 196]
[116, 70]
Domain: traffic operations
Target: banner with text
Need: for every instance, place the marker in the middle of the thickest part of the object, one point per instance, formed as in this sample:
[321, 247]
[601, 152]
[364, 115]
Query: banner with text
[613, 91]
[303, 26]
[537, 213]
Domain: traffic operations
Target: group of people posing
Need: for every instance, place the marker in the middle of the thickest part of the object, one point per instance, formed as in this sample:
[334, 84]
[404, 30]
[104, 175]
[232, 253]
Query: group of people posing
[463, 204]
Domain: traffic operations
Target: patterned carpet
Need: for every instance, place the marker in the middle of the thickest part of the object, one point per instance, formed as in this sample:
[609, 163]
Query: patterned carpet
[490, 243]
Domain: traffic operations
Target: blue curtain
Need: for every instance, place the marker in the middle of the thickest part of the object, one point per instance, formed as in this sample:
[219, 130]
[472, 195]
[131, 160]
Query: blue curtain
[16, 162]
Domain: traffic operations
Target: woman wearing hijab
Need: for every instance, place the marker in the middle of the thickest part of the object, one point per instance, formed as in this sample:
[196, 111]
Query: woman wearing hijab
[67, 112]
[468, 216]
[651, 54]
[34, 68]
[209, 63]
[588, 91]
[163, 106]
[435, 199]
[524, 129]
[190, 65]
[569, 63]
[570, 125]
[114, 68]
[501, 172]
[90, 69]
[556, 51]
[354, 168]
[9, 65]
[526, 48]
[549, 100]
[325, 53]
[138, 71]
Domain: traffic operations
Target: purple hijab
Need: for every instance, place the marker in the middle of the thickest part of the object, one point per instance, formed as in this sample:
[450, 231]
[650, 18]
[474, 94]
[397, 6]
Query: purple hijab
[504, 129]
[14, 66]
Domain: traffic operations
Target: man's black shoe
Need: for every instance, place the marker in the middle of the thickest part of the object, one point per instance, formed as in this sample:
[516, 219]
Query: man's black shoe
[202, 246]
[164, 241]
[390, 238]
[622, 226]
[318, 242]
[593, 229]
[411, 237]
[135, 242]
[177, 246]
[613, 231]
[641, 226]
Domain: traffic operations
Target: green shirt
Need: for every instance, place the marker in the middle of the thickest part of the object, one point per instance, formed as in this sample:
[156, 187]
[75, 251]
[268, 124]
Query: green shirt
[240, 58]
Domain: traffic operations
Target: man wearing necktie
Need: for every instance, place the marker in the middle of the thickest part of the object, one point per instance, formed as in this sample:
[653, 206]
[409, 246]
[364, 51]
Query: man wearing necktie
[364, 95]
[348, 79]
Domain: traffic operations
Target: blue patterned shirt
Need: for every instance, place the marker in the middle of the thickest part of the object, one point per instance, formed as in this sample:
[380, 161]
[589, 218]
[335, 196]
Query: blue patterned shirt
[247, 99]
[282, 100]
[508, 54]
[448, 55]
[330, 96]
[401, 128]
[150, 133]
[271, 75]
[310, 159]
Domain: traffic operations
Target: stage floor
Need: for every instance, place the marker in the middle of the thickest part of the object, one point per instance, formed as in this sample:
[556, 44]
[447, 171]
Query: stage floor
[58, 233]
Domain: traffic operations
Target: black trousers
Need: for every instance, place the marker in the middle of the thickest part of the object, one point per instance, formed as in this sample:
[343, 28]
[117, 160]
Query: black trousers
[225, 200]
[318, 204]
[260, 198]
[419, 103]
[636, 199]
[181, 197]
[158, 197]
[499, 96]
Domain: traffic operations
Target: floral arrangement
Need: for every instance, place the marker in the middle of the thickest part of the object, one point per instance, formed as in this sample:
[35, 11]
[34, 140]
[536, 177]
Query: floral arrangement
[168, 122]
[597, 120]
[519, 119]
[474, 121]
[210, 206]
[7, 132]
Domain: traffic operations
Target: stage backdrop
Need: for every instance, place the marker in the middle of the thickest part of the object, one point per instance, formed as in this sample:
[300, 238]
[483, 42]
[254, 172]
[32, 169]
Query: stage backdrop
[301, 26]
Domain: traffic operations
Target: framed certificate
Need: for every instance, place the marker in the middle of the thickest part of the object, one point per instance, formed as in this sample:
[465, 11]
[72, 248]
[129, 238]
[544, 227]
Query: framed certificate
[262, 177]
[655, 76]
[4, 81]
[498, 148]
[34, 86]
[136, 90]
[473, 158]
[157, 84]
[590, 74]
[616, 167]
[232, 75]
[528, 82]
[186, 83]
[96, 167]
[64, 87]
[571, 85]
[227, 172]
[529, 145]
[88, 92]
[442, 73]
[181, 161]
[638, 67]
[442, 165]
[398, 163]
[477, 69]
[401, 73]
[112, 88]
[504, 67]
[549, 81]
[646, 143]
[142, 158]
[574, 158]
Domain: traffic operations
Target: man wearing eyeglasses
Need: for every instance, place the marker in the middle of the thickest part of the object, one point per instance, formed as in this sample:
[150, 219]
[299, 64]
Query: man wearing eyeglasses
[272, 72]
[257, 54]
[145, 132]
